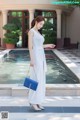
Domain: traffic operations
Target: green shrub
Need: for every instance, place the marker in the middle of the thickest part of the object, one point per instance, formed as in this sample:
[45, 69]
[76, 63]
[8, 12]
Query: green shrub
[13, 31]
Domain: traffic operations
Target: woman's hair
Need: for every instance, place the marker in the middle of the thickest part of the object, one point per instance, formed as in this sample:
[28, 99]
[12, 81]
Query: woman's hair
[37, 19]
[33, 23]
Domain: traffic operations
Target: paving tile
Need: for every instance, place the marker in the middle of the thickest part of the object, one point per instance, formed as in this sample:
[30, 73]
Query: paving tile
[71, 109]
[23, 109]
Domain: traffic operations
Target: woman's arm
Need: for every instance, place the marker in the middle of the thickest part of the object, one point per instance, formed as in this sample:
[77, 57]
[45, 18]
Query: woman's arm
[30, 46]
[49, 45]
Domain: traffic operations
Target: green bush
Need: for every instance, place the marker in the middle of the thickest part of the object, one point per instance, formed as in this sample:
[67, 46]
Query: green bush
[13, 31]
[49, 32]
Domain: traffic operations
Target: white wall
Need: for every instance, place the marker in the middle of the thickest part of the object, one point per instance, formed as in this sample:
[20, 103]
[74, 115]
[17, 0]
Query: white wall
[63, 32]
[73, 25]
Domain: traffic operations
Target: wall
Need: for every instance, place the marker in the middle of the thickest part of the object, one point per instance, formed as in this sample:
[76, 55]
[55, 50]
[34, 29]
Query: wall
[73, 25]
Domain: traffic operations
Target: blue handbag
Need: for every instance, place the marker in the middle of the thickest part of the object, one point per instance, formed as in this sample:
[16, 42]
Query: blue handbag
[30, 83]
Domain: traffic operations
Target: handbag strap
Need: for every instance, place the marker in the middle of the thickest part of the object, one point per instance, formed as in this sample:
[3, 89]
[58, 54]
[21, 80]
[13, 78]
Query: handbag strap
[34, 71]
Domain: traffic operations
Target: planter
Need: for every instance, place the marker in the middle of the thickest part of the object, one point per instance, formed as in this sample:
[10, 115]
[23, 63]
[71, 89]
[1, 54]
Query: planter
[10, 46]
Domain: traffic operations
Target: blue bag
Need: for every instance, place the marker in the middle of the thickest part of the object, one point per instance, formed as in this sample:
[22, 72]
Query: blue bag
[29, 83]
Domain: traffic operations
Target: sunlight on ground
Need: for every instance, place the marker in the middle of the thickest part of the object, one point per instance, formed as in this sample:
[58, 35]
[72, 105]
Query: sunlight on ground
[66, 118]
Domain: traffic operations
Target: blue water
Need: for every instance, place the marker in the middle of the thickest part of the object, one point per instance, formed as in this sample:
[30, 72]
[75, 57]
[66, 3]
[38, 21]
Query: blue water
[15, 68]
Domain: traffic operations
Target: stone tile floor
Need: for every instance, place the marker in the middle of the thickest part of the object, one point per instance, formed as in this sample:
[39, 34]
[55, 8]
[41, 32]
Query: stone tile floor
[73, 54]
[56, 108]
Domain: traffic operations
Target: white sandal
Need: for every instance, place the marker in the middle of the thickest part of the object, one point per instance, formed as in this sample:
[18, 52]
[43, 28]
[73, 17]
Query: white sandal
[41, 107]
[35, 107]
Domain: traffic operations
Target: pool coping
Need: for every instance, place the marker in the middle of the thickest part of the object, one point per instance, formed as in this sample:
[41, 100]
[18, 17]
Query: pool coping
[2, 53]
[73, 67]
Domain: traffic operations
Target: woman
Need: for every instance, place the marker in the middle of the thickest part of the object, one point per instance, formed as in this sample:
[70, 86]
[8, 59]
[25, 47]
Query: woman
[38, 66]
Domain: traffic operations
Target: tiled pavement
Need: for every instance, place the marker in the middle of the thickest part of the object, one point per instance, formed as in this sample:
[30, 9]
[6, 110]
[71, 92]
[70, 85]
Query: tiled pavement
[74, 55]
[56, 108]
[42, 116]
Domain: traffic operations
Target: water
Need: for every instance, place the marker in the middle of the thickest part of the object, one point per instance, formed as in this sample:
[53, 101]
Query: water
[15, 66]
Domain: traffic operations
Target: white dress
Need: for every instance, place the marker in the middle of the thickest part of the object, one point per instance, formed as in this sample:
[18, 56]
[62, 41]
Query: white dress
[38, 72]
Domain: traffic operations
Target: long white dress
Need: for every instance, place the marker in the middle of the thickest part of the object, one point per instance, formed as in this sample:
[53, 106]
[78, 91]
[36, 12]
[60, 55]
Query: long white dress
[38, 72]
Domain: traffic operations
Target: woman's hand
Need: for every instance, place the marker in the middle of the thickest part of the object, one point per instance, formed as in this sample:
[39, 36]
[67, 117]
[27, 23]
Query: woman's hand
[49, 46]
[31, 63]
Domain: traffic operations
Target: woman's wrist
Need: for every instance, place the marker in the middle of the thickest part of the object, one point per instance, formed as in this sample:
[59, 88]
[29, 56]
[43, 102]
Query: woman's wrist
[45, 45]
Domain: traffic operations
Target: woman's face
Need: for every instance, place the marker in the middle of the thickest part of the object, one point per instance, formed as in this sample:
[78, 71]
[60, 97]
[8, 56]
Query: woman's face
[39, 24]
